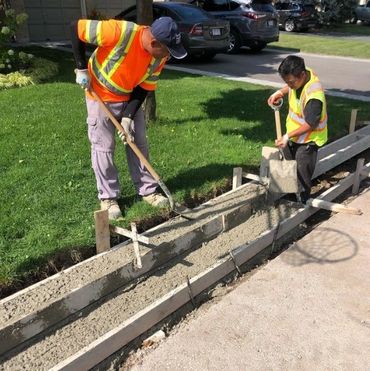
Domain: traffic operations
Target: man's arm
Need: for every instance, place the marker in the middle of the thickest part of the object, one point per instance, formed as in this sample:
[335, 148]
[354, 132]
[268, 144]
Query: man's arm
[138, 96]
[78, 47]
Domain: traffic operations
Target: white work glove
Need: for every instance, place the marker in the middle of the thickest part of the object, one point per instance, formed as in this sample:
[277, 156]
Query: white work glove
[283, 141]
[128, 127]
[82, 78]
[274, 98]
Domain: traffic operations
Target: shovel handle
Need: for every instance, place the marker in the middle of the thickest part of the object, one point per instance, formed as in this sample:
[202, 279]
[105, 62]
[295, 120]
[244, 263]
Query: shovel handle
[278, 124]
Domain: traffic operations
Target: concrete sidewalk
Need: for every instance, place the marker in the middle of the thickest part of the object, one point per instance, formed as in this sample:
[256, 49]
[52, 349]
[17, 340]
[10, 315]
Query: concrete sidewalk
[308, 309]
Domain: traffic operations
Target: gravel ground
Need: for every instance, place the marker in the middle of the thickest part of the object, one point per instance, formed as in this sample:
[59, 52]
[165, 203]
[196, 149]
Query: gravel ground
[104, 316]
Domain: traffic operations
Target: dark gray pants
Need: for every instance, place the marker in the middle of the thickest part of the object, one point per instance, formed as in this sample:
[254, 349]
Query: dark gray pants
[101, 132]
[306, 156]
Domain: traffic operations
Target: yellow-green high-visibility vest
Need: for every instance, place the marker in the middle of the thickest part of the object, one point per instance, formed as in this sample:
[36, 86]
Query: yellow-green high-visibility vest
[312, 90]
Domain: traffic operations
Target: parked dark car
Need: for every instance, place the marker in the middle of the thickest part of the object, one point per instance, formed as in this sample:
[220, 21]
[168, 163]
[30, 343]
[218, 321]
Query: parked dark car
[253, 23]
[296, 15]
[202, 35]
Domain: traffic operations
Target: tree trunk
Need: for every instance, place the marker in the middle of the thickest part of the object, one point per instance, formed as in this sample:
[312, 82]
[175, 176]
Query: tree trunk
[145, 17]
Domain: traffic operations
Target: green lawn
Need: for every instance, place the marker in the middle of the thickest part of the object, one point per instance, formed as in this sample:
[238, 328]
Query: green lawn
[351, 29]
[205, 127]
[323, 45]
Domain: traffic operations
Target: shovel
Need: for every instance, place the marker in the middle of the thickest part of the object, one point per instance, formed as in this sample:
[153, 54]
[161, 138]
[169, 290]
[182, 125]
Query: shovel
[280, 174]
[178, 210]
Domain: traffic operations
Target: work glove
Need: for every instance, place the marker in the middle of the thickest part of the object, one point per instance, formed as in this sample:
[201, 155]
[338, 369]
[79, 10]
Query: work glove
[82, 78]
[283, 141]
[128, 127]
[274, 99]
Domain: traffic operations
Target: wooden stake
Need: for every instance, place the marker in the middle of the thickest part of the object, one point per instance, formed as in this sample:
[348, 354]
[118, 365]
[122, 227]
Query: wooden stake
[352, 123]
[136, 245]
[237, 177]
[321, 204]
[356, 181]
[102, 234]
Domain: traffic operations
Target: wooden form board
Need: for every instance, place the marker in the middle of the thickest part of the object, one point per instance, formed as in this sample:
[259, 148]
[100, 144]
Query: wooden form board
[22, 329]
[148, 317]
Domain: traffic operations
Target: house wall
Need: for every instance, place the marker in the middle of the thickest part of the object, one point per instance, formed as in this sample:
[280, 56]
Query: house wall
[107, 9]
[49, 20]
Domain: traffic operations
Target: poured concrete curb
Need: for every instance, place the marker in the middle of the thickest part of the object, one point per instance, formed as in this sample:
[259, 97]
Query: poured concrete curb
[22, 328]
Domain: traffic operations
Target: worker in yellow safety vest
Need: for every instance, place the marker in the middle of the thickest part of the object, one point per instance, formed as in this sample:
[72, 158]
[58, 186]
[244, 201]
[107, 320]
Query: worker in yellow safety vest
[306, 123]
[123, 68]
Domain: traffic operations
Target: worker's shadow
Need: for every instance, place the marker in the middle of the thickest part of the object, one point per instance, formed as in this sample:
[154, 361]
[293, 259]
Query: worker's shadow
[325, 246]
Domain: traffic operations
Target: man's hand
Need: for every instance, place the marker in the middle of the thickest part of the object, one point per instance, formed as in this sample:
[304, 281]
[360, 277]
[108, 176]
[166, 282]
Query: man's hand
[82, 78]
[274, 98]
[283, 141]
[128, 127]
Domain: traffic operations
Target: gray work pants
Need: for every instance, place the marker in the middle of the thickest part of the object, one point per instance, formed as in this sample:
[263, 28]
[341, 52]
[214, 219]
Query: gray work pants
[101, 132]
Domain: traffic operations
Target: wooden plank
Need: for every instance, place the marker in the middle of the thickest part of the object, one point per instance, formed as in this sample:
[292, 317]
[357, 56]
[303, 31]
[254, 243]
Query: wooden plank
[341, 155]
[252, 177]
[102, 234]
[148, 317]
[125, 232]
[343, 142]
[338, 208]
[356, 182]
[352, 123]
[237, 177]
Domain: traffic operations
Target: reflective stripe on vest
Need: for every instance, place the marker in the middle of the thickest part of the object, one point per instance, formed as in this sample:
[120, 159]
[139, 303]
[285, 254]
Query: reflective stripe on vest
[295, 119]
[153, 65]
[103, 73]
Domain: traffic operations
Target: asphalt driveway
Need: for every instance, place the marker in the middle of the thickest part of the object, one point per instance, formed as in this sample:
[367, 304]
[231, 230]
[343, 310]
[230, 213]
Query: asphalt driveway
[341, 76]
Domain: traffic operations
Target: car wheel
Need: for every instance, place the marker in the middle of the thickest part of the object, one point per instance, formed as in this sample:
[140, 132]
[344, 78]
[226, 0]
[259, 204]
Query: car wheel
[257, 46]
[353, 20]
[235, 42]
[289, 25]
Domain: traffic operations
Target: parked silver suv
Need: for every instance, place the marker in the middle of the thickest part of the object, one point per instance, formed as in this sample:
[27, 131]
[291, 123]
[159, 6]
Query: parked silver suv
[253, 23]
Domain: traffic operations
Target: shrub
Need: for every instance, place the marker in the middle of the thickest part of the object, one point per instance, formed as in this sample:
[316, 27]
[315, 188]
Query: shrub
[335, 11]
[10, 60]
[39, 70]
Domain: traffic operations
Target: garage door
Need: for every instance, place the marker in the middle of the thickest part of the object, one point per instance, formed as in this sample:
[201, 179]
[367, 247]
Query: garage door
[48, 20]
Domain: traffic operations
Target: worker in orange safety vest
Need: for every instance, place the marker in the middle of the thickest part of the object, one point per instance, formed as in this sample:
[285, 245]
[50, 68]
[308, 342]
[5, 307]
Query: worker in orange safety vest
[123, 68]
[306, 124]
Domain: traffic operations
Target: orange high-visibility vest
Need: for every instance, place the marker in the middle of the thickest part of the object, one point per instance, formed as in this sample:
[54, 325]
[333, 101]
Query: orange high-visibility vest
[119, 63]
[312, 90]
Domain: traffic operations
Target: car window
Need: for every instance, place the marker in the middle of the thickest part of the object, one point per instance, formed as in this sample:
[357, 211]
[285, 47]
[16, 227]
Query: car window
[219, 5]
[190, 13]
[130, 16]
[158, 12]
[283, 6]
[260, 7]
[309, 8]
[294, 7]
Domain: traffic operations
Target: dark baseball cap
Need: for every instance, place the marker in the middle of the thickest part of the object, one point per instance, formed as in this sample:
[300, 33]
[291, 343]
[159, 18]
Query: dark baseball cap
[165, 30]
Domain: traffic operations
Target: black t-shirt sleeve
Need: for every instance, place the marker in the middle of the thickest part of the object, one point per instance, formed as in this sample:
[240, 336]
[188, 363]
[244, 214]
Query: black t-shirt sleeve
[312, 112]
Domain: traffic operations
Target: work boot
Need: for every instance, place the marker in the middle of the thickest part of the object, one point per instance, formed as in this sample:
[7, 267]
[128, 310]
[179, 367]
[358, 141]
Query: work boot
[110, 204]
[156, 199]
